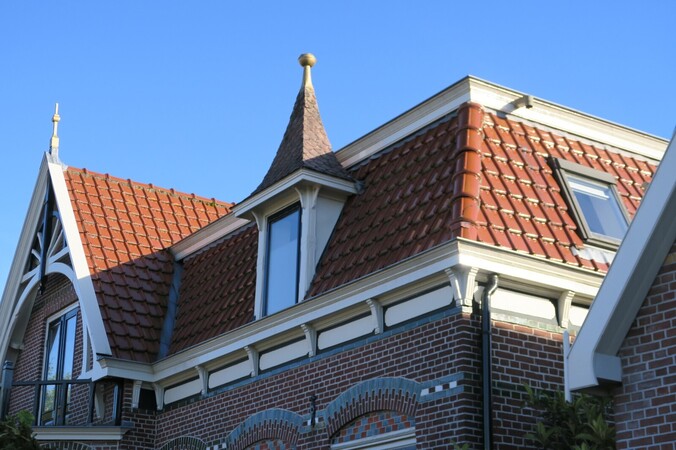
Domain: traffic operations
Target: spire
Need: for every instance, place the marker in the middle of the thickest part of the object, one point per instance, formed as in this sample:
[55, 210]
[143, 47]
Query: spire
[305, 144]
[54, 141]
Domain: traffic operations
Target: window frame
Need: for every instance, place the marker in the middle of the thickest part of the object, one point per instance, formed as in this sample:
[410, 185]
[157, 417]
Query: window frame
[271, 220]
[563, 170]
[61, 401]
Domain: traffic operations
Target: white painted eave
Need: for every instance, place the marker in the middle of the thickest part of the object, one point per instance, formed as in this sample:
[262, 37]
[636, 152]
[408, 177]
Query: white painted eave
[207, 235]
[8, 303]
[298, 177]
[523, 269]
[498, 98]
[639, 258]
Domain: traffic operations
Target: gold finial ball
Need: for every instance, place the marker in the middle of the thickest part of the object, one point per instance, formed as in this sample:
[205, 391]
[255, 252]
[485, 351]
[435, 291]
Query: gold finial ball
[307, 59]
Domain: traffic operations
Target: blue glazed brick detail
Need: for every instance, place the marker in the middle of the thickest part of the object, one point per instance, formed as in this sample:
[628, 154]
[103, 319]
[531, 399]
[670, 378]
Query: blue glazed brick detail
[269, 445]
[266, 425]
[372, 424]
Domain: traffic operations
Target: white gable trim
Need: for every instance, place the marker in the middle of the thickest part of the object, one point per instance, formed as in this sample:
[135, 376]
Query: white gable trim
[592, 358]
[82, 282]
[14, 311]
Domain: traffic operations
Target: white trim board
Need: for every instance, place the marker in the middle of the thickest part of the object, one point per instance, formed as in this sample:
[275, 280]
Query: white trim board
[592, 358]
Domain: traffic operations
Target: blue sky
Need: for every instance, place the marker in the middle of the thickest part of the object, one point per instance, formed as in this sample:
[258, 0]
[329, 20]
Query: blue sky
[196, 95]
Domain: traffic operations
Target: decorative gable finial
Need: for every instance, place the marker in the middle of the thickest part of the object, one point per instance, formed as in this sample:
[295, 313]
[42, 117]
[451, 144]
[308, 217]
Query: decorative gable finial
[307, 60]
[54, 141]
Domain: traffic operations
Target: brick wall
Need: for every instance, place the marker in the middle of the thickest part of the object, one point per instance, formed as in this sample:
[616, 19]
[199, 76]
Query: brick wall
[645, 404]
[438, 350]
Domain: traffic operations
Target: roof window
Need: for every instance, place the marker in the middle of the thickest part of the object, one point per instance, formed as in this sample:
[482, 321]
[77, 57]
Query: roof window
[594, 203]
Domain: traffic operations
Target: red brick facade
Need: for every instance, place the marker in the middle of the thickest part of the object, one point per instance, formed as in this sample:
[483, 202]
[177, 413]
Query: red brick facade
[387, 374]
[645, 404]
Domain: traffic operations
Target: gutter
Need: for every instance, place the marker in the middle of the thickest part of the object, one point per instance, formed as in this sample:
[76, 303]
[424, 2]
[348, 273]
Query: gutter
[486, 378]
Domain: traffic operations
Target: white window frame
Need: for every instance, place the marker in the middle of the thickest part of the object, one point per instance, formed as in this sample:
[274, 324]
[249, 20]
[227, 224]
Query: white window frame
[565, 171]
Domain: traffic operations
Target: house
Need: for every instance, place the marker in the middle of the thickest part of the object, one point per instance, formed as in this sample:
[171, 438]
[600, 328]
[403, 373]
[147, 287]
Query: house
[627, 346]
[394, 294]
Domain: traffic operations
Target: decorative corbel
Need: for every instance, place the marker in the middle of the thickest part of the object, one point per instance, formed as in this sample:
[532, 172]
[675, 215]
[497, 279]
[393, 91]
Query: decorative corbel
[310, 338]
[377, 315]
[159, 396]
[463, 282]
[203, 373]
[136, 393]
[563, 309]
[253, 358]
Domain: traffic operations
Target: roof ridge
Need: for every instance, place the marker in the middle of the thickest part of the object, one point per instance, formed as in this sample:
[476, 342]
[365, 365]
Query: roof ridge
[149, 186]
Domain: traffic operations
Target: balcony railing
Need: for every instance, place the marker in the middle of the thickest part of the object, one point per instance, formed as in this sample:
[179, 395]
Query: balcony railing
[79, 402]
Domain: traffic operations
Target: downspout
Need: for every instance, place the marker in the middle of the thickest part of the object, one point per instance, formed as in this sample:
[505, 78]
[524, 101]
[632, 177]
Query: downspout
[487, 382]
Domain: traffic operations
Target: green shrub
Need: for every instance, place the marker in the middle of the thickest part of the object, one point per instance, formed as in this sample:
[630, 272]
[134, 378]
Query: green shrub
[16, 432]
[579, 425]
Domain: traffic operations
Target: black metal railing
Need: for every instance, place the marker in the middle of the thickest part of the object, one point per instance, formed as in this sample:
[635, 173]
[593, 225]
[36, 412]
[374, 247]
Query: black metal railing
[78, 402]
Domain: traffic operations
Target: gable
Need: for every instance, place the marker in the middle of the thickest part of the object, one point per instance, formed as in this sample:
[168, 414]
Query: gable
[126, 229]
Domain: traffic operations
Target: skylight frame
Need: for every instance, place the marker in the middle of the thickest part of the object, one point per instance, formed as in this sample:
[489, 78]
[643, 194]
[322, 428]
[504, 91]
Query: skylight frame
[567, 173]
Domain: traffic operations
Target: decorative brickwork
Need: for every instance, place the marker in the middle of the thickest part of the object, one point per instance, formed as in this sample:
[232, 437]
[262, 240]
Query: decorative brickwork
[65, 446]
[393, 394]
[644, 405]
[275, 444]
[373, 424]
[276, 425]
[184, 443]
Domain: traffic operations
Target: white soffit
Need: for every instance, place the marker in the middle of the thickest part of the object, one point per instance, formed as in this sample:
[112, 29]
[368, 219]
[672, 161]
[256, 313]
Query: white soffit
[501, 99]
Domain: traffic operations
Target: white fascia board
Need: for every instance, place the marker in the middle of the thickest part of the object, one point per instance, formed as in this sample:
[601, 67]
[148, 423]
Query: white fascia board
[416, 268]
[489, 259]
[85, 433]
[10, 296]
[569, 120]
[529, 269]
[421, 115]
[297, 177]
[639, 258]
[84, 287]
[207, 235]
[501, 99]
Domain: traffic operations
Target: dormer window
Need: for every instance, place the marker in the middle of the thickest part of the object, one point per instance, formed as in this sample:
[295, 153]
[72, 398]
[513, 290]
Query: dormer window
[594, 203]
[281, 283]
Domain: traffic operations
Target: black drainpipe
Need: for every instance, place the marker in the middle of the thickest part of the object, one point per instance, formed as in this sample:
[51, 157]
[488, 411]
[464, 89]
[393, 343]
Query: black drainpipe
[486, 360]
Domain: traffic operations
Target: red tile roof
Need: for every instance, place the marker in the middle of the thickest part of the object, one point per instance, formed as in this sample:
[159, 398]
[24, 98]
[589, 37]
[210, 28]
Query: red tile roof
[126, 228]
[217, 289]
[475, 175]
[426, 192]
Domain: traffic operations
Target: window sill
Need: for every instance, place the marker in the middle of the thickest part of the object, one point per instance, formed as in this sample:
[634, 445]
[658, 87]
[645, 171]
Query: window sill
[88, 433]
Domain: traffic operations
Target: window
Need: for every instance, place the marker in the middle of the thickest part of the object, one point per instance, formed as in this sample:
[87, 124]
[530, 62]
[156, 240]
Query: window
[59, 362]
[594, 203]
[281, 275]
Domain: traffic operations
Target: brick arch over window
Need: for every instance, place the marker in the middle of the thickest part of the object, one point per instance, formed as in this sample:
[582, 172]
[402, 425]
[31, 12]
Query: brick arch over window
[371, 396]
[373, 424]
[268, 430]
[184, 443]
[65, 446]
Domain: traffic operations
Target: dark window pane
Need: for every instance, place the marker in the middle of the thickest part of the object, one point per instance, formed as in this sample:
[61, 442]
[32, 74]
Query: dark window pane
[53, 340]
[69, 348]
[282, 273]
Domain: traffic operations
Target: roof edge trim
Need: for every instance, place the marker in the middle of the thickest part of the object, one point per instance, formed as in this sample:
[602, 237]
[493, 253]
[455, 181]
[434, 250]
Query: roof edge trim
[639, 258]
[501, 99]
[302, 175]
[207, 235]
